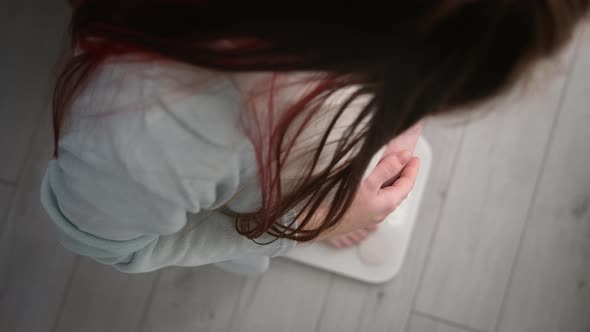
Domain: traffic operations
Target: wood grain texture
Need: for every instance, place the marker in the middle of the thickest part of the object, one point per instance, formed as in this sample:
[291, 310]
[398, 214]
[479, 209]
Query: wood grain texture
[343, 307]
[31, 34]
[101, 298]
[288, 297]
[419, 323]
[550, 289]
[386, 307]
[487, 204]
[5, 200]
[34, 268]
[193, 299]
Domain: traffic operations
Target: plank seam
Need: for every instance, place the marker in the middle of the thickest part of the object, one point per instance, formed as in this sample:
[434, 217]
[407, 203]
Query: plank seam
[531, 205]
[65, 295]
[435, 230]
[148, 303]
[445, 321]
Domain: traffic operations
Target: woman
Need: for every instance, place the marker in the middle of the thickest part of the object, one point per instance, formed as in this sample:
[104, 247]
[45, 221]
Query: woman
[197, 132]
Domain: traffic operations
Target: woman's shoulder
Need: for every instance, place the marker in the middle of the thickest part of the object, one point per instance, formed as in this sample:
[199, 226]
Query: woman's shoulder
[144, 112]
[129, 85]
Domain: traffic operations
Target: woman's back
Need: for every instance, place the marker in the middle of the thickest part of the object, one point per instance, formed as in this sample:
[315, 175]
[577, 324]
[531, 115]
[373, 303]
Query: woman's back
[144, 143]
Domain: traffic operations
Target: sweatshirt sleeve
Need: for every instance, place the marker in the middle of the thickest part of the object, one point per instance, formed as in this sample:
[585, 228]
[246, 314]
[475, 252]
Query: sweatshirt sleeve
[139, 188]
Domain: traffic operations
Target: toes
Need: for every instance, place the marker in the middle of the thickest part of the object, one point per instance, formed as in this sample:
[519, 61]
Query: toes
[358, 236]
[371, 227]
[347, 241]
[334, 243]
[352, 238]
[363, 233]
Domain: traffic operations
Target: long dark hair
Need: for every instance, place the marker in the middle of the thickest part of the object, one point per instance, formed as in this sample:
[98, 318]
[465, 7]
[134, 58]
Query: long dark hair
[407, 59]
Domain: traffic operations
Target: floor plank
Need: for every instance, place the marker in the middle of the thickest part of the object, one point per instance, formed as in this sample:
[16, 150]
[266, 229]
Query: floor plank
[386, 307]
[193, 299]
[480, 228]
[5, 200]
[31, 34]
[343, 309]
[288, 297]
[550, 289]
[420, 323]
[34, 268]
[101, 298]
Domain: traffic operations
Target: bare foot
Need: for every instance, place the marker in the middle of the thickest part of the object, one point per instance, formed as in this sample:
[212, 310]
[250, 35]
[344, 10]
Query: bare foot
[350, 239]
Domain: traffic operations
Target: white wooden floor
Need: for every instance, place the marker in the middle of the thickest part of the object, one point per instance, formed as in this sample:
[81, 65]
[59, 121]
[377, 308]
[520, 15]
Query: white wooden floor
[502, 242]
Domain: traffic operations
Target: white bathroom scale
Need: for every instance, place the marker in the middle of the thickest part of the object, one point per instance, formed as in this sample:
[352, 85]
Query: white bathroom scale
[380, 257]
